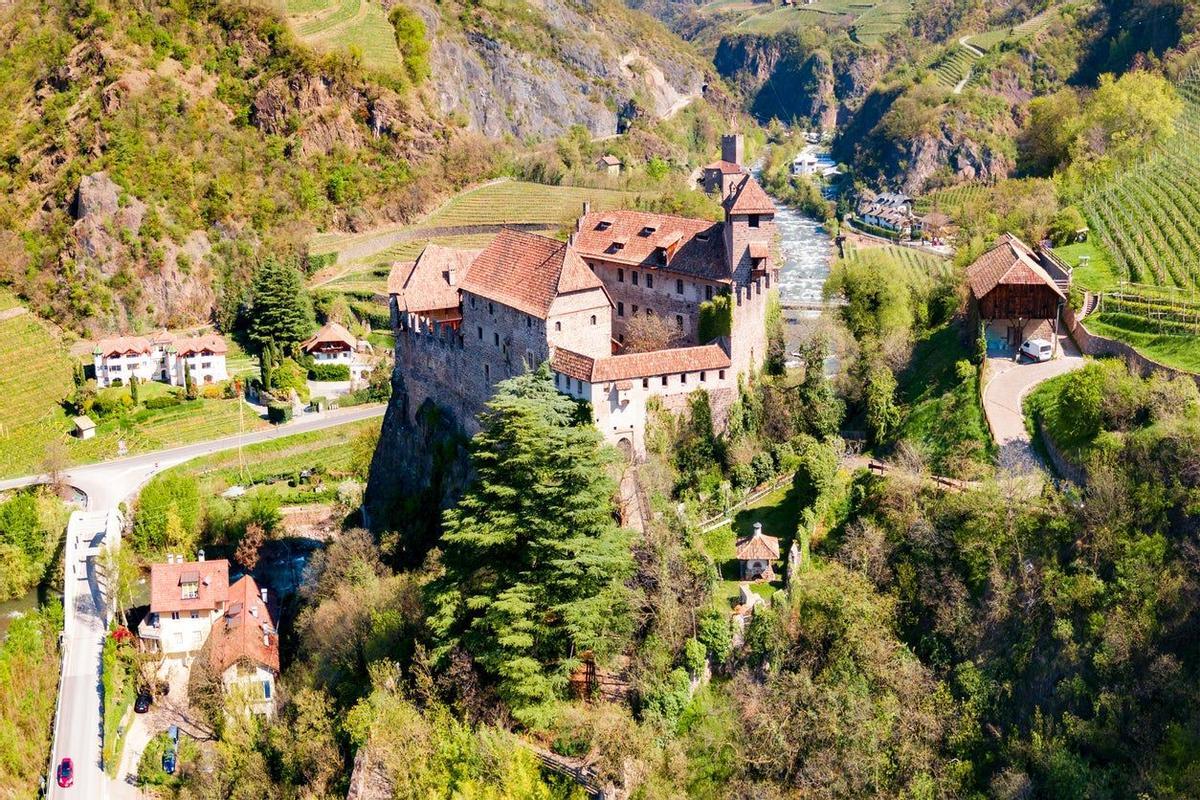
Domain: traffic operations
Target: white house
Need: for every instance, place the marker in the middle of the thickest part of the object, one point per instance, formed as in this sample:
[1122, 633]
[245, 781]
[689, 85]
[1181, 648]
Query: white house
[333, 344]
[160, 357]
[804, 164]
[193, 601]
[185, 599]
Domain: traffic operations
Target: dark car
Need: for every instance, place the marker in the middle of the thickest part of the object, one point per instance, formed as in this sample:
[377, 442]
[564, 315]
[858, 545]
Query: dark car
[169, 762]
[142, 704]
[66, 773]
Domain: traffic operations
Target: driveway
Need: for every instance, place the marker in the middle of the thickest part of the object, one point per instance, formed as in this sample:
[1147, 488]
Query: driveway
[1006, 389]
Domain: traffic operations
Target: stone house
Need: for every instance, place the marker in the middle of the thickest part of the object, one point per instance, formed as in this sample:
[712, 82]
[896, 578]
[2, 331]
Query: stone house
[162, 356]
[528, 299]
[716, 177]
[333, 344]
[756, 555]
[1017, 294]
[609, 164]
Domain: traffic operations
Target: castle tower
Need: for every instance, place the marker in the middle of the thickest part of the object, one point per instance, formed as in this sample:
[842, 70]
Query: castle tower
[733, 148]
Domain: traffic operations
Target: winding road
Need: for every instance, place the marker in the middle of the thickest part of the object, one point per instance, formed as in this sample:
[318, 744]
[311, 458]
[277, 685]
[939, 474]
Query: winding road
[78, 727]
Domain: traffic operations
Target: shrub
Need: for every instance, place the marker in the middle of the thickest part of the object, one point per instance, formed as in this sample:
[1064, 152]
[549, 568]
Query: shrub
[694, 656]
[742, 476]
[715, 635]
[716, 318]
[212, 392]
[163, 401]
[763, 466]
[279, 413]
[289, 375]
[116, 382]
[329, 372]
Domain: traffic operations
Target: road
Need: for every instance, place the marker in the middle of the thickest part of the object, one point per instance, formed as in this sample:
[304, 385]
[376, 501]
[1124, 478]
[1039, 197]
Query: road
[1003, 396]
[78, 728]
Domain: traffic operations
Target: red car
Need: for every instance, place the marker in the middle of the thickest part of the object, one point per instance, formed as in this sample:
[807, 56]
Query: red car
[66, 773]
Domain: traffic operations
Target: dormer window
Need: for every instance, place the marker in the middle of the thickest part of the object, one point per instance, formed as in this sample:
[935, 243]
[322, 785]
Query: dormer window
[702, 236]
[189, 585]
[647, 230]
[603, 225]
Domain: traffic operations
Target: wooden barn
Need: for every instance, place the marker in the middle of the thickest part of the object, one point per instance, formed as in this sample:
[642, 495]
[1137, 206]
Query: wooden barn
[1017, 293]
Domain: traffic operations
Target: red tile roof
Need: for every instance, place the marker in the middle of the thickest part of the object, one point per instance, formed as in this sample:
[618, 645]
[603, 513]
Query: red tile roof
[198, 344]
[119, 345]
[758, 546]
[526, 272]
[166, 585]
[1010, 262]
[747, 197]
[726, 168]
[694, 246]
[638, 365]
[425, 284]
[330, 333]
[240, 633]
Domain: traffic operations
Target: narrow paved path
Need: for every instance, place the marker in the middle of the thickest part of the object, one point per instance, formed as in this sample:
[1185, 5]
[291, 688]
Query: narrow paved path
[958, 87]
[1005, 391]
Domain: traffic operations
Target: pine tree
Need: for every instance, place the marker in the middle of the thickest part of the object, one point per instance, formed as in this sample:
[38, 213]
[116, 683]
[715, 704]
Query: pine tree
[534, 562]
[281, 312]
[133, 389]
[189, 385]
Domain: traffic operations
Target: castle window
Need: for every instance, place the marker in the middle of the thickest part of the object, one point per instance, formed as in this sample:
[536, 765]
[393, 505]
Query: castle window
[721, 374]
[683, 377]
[579, 385]
[593, 319]
[496, 339]
[678, 287]
[620, 276]
[529, 322]
[649, 312]
[679, 321]
[491, 309]
[754, 220]
[708, 293]
[664, 380]
[645, 383]
[487, 373]
[472, 301]
[556, 380]
[633, 278]
[649, 281]
[558, 326]
[703, 375]
[620, 309]
[480, 329]
[633, 310]
[702, 236]
[621, 338]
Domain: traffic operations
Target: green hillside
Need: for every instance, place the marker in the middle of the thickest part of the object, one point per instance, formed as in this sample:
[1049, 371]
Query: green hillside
[359, 24]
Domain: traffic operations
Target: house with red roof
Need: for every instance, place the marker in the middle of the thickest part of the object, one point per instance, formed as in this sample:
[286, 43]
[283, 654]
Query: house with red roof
[192, 603]
[1017, 293]
[162, 356]
[334, 344]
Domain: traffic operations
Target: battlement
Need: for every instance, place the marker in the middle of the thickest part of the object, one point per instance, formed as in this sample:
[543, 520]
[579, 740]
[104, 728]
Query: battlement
[436, 331]
[755, 289]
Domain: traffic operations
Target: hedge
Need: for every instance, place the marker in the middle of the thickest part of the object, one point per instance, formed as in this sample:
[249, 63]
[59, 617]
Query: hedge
[329, 372]
[162, 401]
[278, 413]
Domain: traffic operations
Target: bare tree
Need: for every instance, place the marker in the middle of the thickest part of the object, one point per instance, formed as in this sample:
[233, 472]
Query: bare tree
[249, 547]
[54, 464]
[646, 332]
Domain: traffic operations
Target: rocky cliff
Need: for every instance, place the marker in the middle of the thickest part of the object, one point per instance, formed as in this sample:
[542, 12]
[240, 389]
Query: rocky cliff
[537, 71]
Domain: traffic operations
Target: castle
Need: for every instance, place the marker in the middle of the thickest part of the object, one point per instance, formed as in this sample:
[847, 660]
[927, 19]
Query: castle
[465, 320]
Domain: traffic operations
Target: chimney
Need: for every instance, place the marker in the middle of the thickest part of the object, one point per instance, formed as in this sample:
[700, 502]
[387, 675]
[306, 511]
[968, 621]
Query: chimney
[200, 554]
[264, 595]
[571, 239]
[452, 276]
[732, 147]
[758, 529]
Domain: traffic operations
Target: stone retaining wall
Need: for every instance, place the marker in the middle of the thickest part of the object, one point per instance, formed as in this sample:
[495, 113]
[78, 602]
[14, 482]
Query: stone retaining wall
[1062, 465]
[1094, 345]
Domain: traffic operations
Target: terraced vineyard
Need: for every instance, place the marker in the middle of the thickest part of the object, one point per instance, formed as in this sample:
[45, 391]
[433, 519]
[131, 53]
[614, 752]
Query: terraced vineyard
[918, 266]
[35, 372]
[871, 20]
[1149, 217]
[950, 201]
[954, 66]
[359, 24]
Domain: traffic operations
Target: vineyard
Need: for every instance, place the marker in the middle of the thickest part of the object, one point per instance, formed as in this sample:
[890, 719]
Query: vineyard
[951, 201]
[1149, 217]
[872, 20]
[918, 267]
[361, 25]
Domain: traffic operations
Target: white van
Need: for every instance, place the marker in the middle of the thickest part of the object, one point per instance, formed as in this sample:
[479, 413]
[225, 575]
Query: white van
[1037, 349]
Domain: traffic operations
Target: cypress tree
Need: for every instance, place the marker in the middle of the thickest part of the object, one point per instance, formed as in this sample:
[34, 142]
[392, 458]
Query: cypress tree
[534, 562]
[281, 313]
[133, 389]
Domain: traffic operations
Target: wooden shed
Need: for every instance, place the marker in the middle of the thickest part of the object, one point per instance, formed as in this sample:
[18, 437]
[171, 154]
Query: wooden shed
[1016, 292]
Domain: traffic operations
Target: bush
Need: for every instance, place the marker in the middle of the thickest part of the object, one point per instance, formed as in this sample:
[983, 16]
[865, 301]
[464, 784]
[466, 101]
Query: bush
[168, 515]
[163, 401]
[715, 635]
[329, 372]
[107, 405]
[116, 382]
[694, 656]
[212, 392]
[742, 476]
[289, 375]
[763, 466]
[279, 413]
[716, 318]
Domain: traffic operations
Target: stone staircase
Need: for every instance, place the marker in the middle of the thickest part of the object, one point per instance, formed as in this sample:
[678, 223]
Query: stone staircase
[1091, 301]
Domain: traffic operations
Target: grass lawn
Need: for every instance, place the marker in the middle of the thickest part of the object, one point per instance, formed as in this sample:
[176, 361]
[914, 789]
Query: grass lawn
[1172, 350]
[779, 513]
[943, 416]
[1099, 274]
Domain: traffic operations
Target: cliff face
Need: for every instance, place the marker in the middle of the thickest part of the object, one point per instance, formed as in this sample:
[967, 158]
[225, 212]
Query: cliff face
[420, 468]
[557, 64]
[784, 77]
